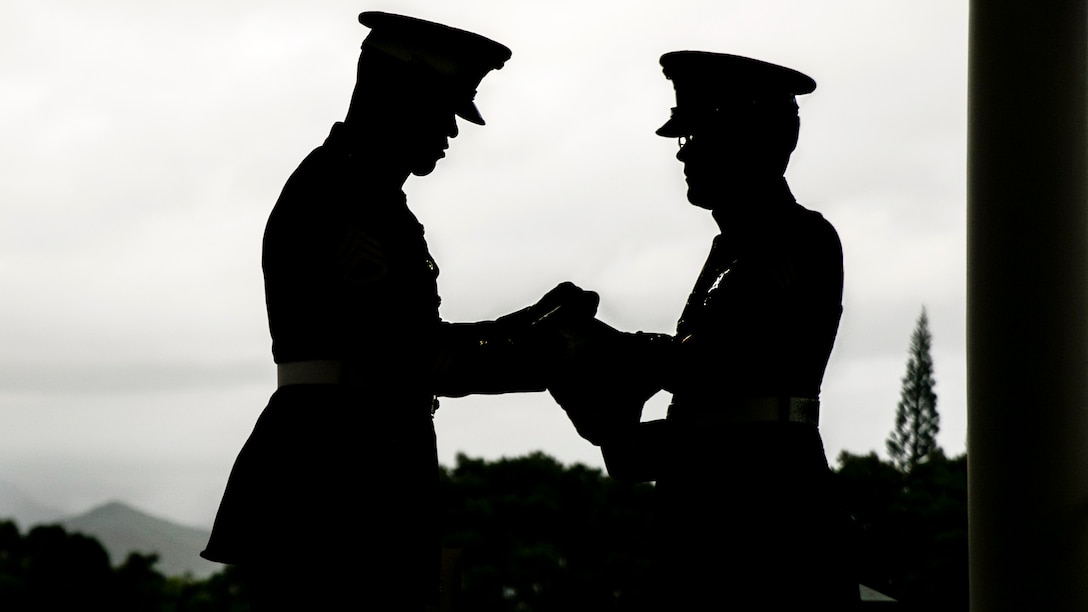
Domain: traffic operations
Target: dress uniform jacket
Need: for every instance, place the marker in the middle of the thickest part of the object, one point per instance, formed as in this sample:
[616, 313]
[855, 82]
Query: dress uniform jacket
[336, 472]
[746, 513]
[346, 474]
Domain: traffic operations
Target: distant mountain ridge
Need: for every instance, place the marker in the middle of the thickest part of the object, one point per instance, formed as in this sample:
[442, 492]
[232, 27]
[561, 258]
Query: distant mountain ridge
[120, 529]
[123, 529]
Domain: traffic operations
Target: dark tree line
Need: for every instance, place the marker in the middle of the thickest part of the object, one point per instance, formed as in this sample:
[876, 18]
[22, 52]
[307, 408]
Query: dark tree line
[535, 535]
[530, 534]
[911, 528]
[48, 568]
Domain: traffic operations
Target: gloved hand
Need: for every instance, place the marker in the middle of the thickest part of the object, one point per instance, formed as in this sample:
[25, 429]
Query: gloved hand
[566, 301]
[608, 377]
[551, 328]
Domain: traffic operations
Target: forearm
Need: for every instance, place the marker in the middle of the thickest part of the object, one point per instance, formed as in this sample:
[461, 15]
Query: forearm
[516, 352]
[487, 358]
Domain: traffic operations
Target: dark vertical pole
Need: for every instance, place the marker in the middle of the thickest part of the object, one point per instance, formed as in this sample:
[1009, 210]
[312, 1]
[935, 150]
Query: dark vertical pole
[1027, 305]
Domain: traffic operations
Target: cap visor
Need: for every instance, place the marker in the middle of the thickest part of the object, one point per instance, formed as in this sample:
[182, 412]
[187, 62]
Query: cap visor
[671, 129]
[470, 113]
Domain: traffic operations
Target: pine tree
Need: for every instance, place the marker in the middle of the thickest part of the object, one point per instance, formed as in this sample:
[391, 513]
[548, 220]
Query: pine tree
[916, 418]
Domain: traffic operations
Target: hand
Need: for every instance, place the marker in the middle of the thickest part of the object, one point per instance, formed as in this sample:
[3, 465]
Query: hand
[608, 377]
[566, 301]
[551, 326]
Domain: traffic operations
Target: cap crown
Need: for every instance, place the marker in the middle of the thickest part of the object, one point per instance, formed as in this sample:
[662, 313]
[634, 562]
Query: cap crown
[709, 82]
[455, 61]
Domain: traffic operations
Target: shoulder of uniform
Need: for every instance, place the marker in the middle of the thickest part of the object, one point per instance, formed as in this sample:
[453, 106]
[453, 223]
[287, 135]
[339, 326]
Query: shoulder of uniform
[809, 220]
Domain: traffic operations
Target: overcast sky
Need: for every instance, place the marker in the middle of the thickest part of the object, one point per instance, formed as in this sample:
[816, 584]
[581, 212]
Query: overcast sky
[146, 141]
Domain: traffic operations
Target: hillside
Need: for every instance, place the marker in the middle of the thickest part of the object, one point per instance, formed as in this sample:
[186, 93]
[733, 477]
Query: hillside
[122, 529]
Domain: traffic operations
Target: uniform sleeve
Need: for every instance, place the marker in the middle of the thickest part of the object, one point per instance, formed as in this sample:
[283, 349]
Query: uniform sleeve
[360, 257]
[485, 358]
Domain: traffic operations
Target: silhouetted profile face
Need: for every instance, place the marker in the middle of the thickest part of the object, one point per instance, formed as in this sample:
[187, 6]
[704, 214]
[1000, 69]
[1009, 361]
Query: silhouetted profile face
[414, 78]
[424, 137]
[736, 118]
[734, 149]
[406, 122]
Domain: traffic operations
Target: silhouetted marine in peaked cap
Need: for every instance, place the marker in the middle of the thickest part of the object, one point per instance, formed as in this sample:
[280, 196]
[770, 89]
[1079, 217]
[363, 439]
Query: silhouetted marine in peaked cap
[746, 519]
[332, 501]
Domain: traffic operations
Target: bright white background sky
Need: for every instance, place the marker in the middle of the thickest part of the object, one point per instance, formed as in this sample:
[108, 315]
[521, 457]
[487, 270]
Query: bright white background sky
[146, 141]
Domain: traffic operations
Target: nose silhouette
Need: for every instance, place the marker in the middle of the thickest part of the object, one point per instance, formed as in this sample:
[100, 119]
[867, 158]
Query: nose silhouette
[685, 148]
